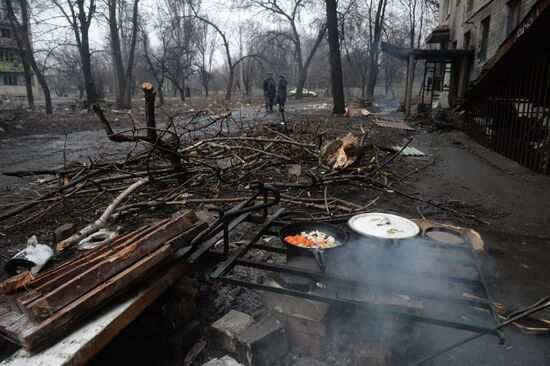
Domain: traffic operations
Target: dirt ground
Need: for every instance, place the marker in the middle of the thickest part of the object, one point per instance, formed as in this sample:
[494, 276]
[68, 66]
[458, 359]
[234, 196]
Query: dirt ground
[511, 205]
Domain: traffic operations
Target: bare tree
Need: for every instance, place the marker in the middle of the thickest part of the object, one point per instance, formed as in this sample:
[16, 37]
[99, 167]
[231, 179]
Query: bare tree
[21, 27]
[68, 70]
[231, 65]
[182, 38]
[79, 14]
[206, 47]
[123, 70]
[376, 26]
[337, 82]
[156, 61]
[288, 11]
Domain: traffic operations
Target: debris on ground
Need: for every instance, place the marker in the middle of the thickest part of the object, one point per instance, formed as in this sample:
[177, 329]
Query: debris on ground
[37, 308]
[393, 124]
[340, 153]
[208, 161]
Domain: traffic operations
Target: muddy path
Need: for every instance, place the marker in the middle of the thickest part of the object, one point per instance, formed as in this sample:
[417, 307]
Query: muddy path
[34, 141]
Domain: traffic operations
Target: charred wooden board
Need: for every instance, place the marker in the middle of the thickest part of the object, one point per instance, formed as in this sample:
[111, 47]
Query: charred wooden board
[80, 346]
[111, 264]
[60, 277]
[21, 329]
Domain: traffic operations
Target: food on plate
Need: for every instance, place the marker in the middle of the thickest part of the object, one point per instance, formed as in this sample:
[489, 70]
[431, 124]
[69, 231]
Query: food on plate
[312, 239]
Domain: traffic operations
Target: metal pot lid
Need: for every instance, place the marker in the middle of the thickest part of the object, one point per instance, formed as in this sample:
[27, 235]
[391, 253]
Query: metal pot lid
[383, 225]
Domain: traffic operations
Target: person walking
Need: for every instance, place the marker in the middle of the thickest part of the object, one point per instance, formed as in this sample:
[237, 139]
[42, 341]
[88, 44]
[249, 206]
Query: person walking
[282, 92]
[270, 90]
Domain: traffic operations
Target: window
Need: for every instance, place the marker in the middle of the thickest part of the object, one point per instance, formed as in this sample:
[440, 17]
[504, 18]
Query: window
[469, 6]
[513, 15]
[6, 33]
[10, 80]
[455, 45]
[467, 39]
[485, 23]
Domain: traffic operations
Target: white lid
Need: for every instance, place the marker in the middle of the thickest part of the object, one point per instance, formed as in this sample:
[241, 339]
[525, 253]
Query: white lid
[383, 225]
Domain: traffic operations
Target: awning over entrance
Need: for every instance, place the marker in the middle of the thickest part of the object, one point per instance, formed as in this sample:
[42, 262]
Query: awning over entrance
[432, 55]
[459, 60]
[440, 34]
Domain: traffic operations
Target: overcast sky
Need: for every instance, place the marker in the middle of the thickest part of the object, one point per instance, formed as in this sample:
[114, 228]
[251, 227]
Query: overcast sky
[52, 26]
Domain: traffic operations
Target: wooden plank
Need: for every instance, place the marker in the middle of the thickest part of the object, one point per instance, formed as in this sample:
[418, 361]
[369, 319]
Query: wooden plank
[80, 346]
[31, 335]
[13, 285]
[63, 295]
[115, 243]
[58, 278]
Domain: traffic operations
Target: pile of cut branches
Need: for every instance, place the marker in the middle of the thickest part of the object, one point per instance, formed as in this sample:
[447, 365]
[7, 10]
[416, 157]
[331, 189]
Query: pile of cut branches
[209, 159]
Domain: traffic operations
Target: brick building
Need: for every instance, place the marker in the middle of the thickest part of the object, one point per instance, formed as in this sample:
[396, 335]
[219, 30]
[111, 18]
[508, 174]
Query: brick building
[503, 85]
[478, 25]
[12, 80]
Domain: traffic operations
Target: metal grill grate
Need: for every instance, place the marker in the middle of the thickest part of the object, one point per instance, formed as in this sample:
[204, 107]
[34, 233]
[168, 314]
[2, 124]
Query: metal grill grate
[449, 285]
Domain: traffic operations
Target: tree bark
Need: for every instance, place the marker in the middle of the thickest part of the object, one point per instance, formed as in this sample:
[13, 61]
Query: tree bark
[28, 80]
[303, 66]
[337, 82]
[83, 42]
[375, 47]
[123, 76]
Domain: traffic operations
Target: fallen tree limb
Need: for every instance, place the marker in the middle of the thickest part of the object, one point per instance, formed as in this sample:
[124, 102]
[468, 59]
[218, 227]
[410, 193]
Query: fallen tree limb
[52, 193]
[102, 221]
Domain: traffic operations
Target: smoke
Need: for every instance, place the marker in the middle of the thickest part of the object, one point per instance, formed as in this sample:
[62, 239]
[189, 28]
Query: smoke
[406, 277]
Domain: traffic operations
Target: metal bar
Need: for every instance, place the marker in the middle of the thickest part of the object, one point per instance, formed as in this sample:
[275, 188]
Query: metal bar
[229, 263]
[538, 126]
[442, 260]
[507, 122]
[354, 306]
[487, 294]
[388, 287]
[501, 117]
[192, 256]
[546, 147]
[527, 110]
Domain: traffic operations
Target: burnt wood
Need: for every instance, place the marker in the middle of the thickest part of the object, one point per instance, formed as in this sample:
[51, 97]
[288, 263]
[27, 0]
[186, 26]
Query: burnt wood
[112, 263]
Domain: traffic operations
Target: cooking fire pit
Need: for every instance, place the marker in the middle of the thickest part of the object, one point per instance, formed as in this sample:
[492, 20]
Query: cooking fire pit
[418, 280]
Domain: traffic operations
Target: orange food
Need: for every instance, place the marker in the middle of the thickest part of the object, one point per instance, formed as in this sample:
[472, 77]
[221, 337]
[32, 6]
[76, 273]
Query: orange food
[300, 240]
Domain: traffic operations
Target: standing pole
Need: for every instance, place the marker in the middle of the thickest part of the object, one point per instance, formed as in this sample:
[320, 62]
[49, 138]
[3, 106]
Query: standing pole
[410, 80]
[241, 68]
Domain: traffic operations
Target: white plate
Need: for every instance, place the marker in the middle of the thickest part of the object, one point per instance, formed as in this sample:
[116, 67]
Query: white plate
[383, 225]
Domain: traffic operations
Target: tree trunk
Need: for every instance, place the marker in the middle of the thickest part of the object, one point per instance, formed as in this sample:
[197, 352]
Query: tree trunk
[230, 83]
[182, 94]
[123, 78]
[337, 81]
[302, 76]
[373, 72]
[28, 79]
[375, 47]
[117, 56]
[85, 55]
[161, 93]
[86, 58]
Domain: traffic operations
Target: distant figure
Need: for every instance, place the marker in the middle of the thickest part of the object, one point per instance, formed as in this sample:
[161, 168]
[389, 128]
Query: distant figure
[270, 90]
[282, 92]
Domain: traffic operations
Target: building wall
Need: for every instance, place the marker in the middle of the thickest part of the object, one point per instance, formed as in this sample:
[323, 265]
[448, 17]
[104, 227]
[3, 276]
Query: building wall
[12, 81]
[455, 15]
